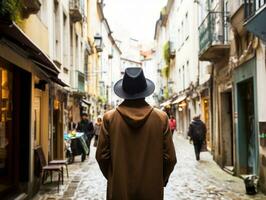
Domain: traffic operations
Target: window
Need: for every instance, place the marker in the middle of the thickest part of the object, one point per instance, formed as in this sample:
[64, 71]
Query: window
[184, 77]
[188, 74]
[76, 51]
[65, 70]
[86, 63]
[186, 27]
[182, 32]
[57, 41]
[6, 86]
[178, 38]
[42, 14]
[65, 41]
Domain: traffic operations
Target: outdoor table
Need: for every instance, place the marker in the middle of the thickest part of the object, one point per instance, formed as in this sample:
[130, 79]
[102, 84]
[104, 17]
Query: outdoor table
[78, 146]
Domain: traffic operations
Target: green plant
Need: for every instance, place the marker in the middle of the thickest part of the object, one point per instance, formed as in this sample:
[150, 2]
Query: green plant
[102, 99]
[166, 71]
[10, 10]
[166, 93]
[166, 53]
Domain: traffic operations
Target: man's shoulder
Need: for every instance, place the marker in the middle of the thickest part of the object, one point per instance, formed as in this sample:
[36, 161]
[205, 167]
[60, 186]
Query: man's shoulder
[109, 114]
[160, 113]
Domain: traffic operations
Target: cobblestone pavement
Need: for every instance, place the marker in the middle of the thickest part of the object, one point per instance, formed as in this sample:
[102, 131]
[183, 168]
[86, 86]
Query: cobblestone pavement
[202, 180]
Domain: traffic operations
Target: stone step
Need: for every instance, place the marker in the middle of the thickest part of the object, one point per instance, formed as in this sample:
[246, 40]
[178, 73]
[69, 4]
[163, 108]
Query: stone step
[21, 196]
[229, 169]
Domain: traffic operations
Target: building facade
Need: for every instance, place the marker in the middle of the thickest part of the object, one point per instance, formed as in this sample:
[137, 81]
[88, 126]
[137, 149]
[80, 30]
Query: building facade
[49, 73]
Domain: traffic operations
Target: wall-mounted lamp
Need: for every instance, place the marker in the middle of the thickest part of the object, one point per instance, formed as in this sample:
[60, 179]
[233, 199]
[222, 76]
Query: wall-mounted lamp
[98, 40]
[40, 85]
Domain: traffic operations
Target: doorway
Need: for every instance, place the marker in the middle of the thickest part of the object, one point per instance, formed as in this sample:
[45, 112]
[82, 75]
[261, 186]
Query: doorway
[205, 117]
[246, 127]
[227, 130]
[15, 96]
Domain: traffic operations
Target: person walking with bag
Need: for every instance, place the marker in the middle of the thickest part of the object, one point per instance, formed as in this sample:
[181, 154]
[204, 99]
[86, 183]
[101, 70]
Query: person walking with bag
[197, 133]
[172, 124]
[135, 150]
[97, 129]
[86, 126]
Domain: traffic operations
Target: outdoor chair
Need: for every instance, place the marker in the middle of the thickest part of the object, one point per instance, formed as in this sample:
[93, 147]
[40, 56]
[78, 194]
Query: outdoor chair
[49, 169]
[58, 162]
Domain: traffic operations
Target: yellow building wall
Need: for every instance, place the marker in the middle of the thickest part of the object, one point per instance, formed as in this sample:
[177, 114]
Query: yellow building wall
[37, 32]
[94, 27]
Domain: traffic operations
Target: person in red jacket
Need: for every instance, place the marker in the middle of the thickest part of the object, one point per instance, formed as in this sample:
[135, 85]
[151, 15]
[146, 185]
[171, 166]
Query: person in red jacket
[172, 124]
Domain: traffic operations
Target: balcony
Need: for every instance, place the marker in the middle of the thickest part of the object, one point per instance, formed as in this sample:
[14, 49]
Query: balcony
[75, 10]
[255, 15]
[213, 37]
[172, 49]
[80, 81]
[30, 7]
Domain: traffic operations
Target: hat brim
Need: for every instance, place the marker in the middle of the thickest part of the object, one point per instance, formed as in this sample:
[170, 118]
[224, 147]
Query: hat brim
[118, 89]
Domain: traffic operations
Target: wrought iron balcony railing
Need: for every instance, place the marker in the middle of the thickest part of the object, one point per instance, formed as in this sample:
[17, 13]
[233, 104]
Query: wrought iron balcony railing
[213, 35]
[252, 6]
[255, 14]
[76, 10]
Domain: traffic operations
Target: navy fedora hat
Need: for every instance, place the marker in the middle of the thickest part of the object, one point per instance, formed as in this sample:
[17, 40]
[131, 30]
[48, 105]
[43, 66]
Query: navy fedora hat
[134, 85]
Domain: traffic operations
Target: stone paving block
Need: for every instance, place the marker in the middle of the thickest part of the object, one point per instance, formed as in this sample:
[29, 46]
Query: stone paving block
[190, 180]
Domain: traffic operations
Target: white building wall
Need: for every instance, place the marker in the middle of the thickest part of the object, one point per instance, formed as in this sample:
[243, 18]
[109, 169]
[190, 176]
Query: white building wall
[150, 72]
[116, 75]
[159, 61]
[187, 45]
[261, 77]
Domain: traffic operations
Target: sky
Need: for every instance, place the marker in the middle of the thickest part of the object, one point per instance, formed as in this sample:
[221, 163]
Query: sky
[133, 18]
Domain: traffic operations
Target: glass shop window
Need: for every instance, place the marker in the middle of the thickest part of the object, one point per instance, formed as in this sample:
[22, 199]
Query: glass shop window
[5, 118]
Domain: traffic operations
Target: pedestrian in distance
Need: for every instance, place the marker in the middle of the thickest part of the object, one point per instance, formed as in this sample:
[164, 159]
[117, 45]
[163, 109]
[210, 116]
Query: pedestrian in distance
[86, 126]
[97, 129]
[197, 133]
[172, 124]
[135, 150]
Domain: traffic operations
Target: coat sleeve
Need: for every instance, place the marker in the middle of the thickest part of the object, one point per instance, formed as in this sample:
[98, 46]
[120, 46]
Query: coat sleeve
[169, 156]
[103, 152]
[91, 128]
[190, 131]
[78, 127]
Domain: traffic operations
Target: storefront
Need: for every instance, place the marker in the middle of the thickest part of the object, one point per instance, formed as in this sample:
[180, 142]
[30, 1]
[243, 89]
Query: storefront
[246, 118]
[14, 145]
[25, 74]
[181, 114]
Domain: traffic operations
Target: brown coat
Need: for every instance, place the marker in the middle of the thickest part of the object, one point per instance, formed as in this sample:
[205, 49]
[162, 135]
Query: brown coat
[135, 152]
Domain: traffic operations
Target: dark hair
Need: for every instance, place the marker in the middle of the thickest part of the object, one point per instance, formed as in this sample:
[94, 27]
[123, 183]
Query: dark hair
[196, 117]
[84, 114]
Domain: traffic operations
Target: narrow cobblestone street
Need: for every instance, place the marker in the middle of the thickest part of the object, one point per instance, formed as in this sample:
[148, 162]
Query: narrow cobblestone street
[190, 180]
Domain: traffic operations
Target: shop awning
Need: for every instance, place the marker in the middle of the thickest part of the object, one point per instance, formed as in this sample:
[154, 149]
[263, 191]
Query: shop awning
[11, 32]
[59, 81]
[86, 102]
[179, 99]
[166, 103]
